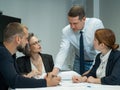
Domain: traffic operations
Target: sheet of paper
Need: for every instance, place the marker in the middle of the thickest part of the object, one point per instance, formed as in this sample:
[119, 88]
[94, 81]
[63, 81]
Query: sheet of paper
[67, 75]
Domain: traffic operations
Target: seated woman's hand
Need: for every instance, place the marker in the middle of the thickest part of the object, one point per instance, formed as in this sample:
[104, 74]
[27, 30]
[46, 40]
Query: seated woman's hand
[91, 79]
[33, 73]
[78, 79]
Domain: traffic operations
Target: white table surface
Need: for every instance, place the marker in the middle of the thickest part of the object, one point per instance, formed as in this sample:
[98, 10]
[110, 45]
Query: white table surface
[66, 84]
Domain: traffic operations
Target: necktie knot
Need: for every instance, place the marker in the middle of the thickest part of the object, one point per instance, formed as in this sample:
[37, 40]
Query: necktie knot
[81, 32]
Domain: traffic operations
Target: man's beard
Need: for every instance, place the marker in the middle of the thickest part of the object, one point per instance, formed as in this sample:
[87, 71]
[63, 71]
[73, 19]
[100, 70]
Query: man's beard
[24, 50]
[20, 48]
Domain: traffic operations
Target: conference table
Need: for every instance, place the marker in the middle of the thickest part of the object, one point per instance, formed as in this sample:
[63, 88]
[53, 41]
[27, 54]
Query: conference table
[67, 84]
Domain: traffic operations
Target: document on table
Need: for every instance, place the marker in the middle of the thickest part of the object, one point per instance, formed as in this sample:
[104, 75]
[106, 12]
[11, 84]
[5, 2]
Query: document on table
[67, 84]
[67, 75]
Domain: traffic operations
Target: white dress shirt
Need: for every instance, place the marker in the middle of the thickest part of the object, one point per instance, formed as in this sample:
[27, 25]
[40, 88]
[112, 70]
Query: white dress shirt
[70, 40]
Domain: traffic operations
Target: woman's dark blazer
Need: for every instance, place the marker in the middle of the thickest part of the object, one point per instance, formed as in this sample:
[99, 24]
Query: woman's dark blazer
[112, 76]
[24, 64]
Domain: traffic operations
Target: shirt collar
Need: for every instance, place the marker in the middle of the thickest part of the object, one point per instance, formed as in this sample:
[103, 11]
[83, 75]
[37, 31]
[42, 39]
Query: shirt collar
[105, 57]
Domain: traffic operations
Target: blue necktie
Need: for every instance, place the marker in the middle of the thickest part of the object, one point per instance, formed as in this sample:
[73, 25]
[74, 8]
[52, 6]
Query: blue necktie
[82, 67]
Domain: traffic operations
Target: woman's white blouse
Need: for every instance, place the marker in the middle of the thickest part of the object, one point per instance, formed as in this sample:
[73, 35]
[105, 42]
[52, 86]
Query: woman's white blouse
[102, 67]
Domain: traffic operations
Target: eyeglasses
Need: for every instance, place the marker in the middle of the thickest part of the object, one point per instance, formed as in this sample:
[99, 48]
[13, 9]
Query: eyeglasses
[35, 43]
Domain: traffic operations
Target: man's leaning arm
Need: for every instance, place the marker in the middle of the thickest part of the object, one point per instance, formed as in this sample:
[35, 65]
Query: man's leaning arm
[55, 71]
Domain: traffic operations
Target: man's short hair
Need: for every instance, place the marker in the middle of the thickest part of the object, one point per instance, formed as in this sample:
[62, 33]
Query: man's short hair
[13, 29]
[77, 11]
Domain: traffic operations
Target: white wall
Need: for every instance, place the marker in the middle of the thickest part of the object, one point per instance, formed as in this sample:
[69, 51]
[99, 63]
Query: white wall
[109, 12]
[45, 18]
[110, 15]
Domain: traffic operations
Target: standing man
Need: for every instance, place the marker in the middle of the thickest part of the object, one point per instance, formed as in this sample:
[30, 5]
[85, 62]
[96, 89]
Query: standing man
[71, 36]
[15, 37]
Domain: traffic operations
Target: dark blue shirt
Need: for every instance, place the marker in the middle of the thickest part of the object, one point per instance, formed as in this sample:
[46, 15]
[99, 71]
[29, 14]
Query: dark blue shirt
[9, 75]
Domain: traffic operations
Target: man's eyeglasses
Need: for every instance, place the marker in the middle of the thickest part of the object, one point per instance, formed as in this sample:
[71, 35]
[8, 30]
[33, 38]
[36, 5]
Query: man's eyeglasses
[35, 43]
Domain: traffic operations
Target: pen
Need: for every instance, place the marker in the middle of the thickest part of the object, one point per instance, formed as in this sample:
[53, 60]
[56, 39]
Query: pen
[89, 86]
[59, 84]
